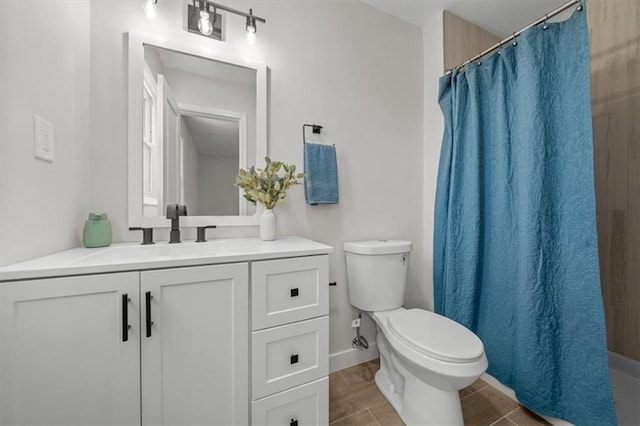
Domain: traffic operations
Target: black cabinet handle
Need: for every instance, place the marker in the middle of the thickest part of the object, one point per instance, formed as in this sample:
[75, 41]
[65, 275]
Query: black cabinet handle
[293, 422]
[147, 296]
[294, 359]
[294, 292]
[125, 317]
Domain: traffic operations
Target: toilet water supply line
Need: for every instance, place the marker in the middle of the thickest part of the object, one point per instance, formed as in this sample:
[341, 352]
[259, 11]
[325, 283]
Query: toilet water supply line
[359, 341]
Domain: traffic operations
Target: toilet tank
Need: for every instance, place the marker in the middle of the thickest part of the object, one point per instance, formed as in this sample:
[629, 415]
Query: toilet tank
[377, 273]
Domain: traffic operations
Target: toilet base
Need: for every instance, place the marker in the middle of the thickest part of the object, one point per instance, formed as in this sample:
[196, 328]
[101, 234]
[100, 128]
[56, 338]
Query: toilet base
[425, 405]
[416, 402]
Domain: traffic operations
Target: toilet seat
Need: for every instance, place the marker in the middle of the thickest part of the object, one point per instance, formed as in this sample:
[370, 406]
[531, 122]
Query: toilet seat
[435, 336]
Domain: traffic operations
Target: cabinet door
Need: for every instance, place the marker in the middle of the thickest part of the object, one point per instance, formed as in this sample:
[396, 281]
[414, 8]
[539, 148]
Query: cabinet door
[195, 355]
[65, 357]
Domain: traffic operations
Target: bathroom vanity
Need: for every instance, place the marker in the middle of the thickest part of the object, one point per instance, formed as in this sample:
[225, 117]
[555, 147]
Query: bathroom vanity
[228, 332]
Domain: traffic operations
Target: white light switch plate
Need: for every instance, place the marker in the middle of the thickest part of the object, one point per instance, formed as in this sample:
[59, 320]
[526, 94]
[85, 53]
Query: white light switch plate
[43, 146]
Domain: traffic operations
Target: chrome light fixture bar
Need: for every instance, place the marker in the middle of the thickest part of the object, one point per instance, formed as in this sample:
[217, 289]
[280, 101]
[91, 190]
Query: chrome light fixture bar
[202, 18]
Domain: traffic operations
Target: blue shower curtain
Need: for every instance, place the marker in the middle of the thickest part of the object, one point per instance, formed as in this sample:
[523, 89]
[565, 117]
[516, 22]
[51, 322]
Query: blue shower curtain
[515, 247]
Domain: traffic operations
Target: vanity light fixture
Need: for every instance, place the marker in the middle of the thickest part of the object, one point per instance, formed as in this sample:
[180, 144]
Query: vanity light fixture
[251, 29]
[203, 19]
[150, 8]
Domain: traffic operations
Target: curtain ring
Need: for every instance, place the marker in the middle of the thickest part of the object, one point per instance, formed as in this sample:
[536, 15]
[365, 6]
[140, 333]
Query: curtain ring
[515, 42]
[499, 47]
[545, 26]
[579, 8]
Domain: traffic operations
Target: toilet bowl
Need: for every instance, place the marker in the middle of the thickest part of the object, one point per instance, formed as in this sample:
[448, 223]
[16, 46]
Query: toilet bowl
[425, 358]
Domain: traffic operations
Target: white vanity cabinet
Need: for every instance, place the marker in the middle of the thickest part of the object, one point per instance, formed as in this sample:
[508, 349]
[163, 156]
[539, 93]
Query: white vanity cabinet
[237, 337]
[65, 357]
[290, 341]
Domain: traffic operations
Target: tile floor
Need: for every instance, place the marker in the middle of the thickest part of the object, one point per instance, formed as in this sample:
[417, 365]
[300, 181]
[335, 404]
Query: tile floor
[355, 400]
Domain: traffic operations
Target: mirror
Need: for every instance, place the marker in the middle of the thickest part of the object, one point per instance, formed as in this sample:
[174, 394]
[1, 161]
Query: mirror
[194, 120]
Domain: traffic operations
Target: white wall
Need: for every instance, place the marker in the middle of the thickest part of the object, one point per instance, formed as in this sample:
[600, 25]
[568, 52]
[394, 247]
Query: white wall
[45, 71]
[344, 65]
[358, 73]
[433, 125]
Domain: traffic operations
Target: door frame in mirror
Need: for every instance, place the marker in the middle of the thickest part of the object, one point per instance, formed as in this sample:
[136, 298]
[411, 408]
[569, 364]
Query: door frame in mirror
[185, 44]
[241, 119]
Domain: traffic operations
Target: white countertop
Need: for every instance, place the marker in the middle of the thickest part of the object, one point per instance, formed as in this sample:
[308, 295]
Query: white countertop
[136, 257]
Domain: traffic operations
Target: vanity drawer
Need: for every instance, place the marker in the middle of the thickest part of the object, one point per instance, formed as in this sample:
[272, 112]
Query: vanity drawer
[289, 355]
[306, 405]
[289, 290]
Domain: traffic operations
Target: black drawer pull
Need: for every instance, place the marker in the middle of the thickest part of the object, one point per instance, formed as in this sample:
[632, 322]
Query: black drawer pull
[148, 312]
[294, 292]
[293, 422]
[125, 317]
[294, 359]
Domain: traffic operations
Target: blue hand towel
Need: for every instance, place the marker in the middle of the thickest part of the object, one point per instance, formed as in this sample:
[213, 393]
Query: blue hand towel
[321, 174]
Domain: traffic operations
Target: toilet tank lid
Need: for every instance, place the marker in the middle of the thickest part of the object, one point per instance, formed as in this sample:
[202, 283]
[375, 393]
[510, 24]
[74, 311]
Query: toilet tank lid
[378, 247]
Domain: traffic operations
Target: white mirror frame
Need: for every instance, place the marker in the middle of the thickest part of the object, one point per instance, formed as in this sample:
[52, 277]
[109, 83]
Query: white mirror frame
[181, 43]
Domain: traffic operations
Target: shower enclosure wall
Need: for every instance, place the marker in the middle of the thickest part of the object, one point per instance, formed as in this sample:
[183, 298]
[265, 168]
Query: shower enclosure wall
[614, 37]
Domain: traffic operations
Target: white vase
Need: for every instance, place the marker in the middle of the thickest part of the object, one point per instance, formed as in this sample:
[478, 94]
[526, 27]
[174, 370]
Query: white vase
[268, 225]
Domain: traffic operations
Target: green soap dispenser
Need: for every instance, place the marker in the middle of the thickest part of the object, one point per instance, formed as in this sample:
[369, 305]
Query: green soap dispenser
[97, 231]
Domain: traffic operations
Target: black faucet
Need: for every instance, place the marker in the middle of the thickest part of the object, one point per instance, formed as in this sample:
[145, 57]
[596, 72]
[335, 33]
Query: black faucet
[174, 211]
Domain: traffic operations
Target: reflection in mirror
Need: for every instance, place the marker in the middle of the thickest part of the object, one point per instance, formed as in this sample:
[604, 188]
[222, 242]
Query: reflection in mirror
[209, 151]
[199, 128]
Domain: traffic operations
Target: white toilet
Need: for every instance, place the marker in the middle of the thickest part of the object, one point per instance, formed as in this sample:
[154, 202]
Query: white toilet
[425, 358]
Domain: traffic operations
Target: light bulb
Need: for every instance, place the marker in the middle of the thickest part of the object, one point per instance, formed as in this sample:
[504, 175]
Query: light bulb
[252, 40]
[251, 23]
[204, 25]
[150, 9]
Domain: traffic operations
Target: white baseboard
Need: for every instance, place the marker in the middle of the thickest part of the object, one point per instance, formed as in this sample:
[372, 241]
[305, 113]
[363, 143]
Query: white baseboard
[626, 365]
[498, 385]
[345, 359]
[511, 394]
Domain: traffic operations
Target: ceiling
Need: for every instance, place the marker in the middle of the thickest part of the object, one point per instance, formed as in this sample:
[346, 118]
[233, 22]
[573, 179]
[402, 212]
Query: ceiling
[501, 17]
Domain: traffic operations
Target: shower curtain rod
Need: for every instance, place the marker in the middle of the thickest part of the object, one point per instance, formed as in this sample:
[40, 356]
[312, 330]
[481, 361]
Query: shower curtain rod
[544, 18]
